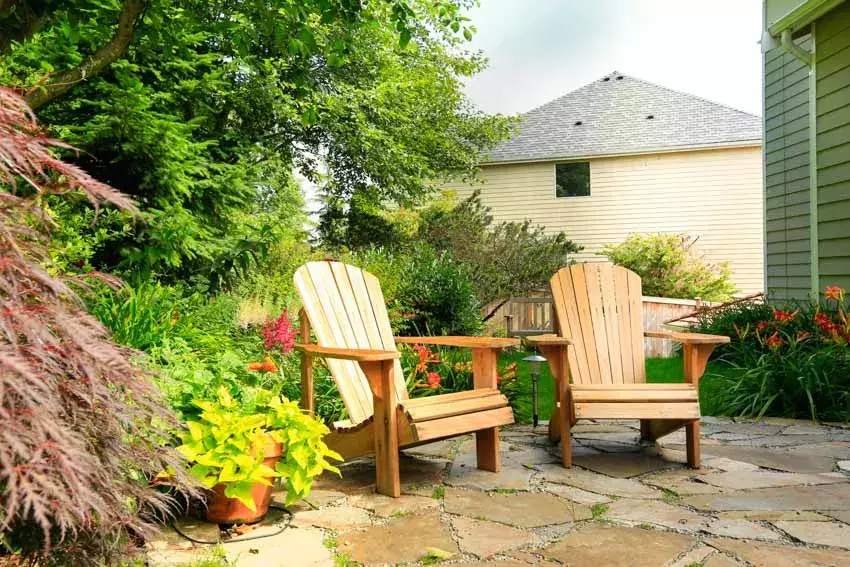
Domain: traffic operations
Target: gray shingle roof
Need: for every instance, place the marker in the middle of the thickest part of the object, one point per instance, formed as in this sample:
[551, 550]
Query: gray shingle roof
[613, 114]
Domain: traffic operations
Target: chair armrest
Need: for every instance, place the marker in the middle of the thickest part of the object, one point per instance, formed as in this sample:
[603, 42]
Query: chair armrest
[468, 342]
[359, 355]
[688, 338]
[548, 340]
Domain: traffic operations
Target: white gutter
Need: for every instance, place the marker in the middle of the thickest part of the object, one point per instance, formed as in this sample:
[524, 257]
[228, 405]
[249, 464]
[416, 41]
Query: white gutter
[808, 59]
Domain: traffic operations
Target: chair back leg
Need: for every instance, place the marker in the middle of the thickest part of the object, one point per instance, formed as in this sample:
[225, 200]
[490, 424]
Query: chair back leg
[692, 444]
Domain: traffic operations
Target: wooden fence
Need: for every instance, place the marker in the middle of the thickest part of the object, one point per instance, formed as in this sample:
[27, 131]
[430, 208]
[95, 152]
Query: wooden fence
[523, 316]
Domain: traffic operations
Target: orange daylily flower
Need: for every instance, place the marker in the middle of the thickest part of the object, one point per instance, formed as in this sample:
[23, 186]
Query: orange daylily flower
[834, 292]
[267, 365]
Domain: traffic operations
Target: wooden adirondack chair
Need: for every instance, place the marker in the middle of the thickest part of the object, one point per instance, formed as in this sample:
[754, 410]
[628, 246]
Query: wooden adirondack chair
[345, 309]
[600, 349]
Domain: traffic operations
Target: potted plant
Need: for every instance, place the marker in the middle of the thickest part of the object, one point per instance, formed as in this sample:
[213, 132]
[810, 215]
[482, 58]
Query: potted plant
[238, 448]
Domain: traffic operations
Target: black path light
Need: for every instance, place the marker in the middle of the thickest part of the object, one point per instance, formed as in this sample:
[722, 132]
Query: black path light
[535, 365]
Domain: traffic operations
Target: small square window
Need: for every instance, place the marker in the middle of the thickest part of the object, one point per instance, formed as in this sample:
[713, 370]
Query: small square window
[572, 179]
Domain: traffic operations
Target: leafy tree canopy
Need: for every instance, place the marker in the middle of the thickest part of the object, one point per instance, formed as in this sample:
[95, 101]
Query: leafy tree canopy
[201, 110]
[503, 260]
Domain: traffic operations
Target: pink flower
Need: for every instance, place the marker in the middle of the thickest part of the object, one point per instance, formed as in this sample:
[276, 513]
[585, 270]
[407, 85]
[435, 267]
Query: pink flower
[280, 333]
[433, 380]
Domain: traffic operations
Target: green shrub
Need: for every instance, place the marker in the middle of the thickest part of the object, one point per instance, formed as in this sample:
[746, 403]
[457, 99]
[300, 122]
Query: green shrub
[791, 363]
[144, 316]
[426, 291]
[728, 320]
[669, 266]
[503, 259]
[438, 294]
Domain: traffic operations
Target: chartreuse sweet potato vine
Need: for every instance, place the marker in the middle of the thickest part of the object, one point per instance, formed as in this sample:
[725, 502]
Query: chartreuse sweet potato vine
[226, 444]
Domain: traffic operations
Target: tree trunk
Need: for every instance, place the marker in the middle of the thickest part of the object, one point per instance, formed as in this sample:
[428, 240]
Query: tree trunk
[129, 17]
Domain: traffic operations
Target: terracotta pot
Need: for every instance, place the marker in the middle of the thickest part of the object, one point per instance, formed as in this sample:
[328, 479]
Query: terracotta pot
[224, 510]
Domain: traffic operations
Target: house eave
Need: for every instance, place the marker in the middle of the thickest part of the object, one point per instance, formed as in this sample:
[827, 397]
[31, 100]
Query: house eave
[666, 150]
[801, 15]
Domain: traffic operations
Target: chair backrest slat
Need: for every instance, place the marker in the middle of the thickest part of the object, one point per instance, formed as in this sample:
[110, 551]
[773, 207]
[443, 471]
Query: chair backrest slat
[599, 307]
[346, 309]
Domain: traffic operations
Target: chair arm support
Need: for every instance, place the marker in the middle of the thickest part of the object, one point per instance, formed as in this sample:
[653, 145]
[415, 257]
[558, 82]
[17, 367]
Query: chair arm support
[359, 355]
[468, 342]
[688, 338]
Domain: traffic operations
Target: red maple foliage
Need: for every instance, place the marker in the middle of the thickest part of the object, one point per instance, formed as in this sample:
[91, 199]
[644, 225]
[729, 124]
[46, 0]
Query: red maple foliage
[82, 428]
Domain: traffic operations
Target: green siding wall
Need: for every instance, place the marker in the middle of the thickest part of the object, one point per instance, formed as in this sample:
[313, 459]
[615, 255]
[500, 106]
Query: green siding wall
[786, 163]
[832, 70]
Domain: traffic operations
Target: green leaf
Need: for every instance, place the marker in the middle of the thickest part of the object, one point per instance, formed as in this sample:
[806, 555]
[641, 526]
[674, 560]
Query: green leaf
[242, 491]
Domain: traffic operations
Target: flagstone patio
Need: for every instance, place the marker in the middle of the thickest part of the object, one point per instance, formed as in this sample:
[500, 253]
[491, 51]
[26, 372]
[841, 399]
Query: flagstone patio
[774, 492]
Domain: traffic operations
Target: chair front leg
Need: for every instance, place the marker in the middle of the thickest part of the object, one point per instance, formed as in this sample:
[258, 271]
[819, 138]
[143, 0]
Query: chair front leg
[695, 358]
[484, 375]
[562, 416]
[382, 384]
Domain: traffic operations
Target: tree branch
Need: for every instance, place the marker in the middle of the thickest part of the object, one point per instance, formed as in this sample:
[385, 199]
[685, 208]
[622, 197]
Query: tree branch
[129, 17]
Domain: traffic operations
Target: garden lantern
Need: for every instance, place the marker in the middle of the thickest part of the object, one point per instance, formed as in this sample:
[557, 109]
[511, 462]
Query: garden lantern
[535, 365]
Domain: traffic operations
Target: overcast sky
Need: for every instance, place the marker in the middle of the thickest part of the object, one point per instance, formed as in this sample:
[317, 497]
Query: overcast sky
[541, 49]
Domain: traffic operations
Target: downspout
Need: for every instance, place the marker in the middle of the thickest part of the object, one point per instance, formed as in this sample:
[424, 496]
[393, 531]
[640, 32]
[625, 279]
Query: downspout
[808, 59]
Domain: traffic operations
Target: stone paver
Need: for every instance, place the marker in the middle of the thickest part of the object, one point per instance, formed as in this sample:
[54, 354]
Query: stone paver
[771, 492]
[823, 497]
[522, 509]
[292, 548]
[684, 482]
[832, 450]
[778, 459]
[386, 507]
[594, 545]
[623, 465]
[693, 557]
[763, 554]
[741, 529]
[334, 518]
[773, 515]
[485, 539]
[840, 515]
[655, 513]
[834, 534]
[598, 483]
[577, 494]
[401, 540]
[721, 560]
[514, 476]
[764, 479]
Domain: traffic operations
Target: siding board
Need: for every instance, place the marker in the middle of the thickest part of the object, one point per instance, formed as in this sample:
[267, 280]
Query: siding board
[713, 194]
[833, 139]
[788, 265]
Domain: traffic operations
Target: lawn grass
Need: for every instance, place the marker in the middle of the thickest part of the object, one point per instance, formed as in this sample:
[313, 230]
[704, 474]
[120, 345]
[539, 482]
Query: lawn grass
[658, 370]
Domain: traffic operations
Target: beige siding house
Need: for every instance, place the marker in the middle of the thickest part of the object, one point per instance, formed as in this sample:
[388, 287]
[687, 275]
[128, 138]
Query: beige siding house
[621, 156]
